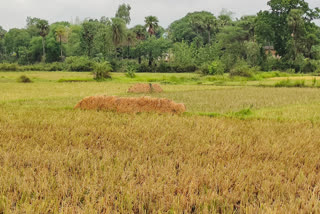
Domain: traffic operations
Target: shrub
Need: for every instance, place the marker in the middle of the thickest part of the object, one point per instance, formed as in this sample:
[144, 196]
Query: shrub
[164, 68]
[183, 68]
[216, 68]
[35, 67]
[299, 83]
[56, 66]
[130, 72]
[310, 66]
[241, 69]
[314, 82]
[9, 67]
[24, 79]
[289, 83]
[82, 63]
[315, 52]
[102, 70]
[204, 68]
[145, 68]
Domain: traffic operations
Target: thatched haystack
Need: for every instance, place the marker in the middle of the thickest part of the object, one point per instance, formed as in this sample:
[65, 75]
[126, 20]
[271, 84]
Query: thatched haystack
[145, 88]
[131, 105]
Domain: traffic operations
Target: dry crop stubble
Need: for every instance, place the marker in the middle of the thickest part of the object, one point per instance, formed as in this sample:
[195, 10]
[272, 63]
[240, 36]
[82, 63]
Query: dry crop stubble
[96, 161]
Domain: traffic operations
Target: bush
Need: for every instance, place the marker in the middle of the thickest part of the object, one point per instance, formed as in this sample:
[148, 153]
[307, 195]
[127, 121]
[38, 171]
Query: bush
[216, 68]
[9, 67]
[270, 63]
[102, 70]
[130, 72]
[310, 66]
[183, 68]
[145, 68]
[241, 69]
[56, 66]
[164, 68]
[82, 63]
[24, 79]
[35, 67]
[289, 83]
[204, 68]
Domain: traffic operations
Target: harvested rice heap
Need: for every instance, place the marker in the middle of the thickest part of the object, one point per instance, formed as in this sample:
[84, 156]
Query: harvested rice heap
[145, 88]
[131, 105]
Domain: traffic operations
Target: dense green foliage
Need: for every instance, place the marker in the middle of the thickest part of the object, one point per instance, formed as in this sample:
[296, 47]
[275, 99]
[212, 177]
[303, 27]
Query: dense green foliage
[284, 37]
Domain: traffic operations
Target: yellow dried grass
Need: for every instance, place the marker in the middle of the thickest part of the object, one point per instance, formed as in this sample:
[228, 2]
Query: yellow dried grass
[131, 105]
[145, 88]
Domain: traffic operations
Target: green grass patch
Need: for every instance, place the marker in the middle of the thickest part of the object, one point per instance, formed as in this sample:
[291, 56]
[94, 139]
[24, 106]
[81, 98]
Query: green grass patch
[76, 80]
[290, 83]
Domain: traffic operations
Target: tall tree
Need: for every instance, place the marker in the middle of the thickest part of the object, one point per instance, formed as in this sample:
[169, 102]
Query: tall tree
[130, 40]
[280, 10]
[152, 48]
[248, 23]
[62, 33]
[124, 13]
[89, 30]
[225, 18]
[297, 29]
[2, 32]
[200, 26]
[16, 39]
[43, 27]
[2, 35]
[118, 29]
[140, 32]
[151, 24]
[32, 26]
[103, 41]
[211, 25]
[264, 32]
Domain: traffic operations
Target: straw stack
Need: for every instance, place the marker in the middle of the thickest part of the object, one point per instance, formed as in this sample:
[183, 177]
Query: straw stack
[131, 105]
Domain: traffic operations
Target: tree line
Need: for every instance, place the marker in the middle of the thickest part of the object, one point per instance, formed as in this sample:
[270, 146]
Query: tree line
[283, 37]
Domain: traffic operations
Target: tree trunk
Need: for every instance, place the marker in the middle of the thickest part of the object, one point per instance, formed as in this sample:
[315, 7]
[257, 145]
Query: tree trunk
[150, 59]
[139, 60]
[61, 48]
[43, 49]
[89, 50]
[128, 51]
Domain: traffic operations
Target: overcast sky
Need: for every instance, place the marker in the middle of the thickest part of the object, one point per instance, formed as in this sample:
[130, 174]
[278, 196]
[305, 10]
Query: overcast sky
[13, 13]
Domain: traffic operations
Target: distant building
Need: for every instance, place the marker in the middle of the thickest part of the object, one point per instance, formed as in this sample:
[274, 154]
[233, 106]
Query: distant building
[270, 50]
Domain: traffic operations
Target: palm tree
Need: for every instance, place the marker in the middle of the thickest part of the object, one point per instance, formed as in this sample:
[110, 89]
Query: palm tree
[62, 36]
[140, 32]
[210, 24]
[2, 32]
[118, 29]
[130, 39]
[151, 24]
[43, 27]
[296, 25]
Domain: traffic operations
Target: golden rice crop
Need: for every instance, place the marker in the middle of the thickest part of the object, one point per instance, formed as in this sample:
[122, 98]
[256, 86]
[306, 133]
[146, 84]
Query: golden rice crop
[54, 159]
[74, 162]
